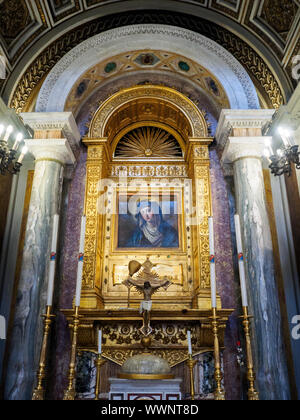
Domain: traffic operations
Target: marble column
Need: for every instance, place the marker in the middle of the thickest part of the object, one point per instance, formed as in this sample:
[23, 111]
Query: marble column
[286, 206]
[54, 145]
[245, 153]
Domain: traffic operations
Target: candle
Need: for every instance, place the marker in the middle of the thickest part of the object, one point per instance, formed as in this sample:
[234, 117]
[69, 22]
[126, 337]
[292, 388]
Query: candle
[9, 130]
[241, 260]
[23, 153]
[269, 144]
[19, 138]
[1, 130]
[99, 341]
[190, 342]
[267, 154]
[285, 135]
[80, 261]
[52, 260]
[213, 283]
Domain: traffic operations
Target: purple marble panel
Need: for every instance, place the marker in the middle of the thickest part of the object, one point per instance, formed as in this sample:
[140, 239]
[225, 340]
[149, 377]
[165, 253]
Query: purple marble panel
[70, 232]
[227, 283]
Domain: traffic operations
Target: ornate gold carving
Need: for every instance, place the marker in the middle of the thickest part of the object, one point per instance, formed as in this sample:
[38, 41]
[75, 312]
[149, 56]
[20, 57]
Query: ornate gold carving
[94, 175]
[121, 338]
[173, 356]
[95, 152]
[203, 206]
[103, 260]
[136, 171]
[171, 273]
[201, 152]
[197, 122]
[149, 142]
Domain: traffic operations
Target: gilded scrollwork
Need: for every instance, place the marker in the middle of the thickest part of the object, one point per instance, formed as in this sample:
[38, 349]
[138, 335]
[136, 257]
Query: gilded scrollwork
[173, 356]
[203, 203]
[122, 339]
[94, 174]
[137, 171]
[196, 118]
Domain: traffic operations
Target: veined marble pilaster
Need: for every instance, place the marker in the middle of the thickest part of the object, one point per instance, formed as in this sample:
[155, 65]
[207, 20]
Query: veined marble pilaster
[51, 153]
[245, 154]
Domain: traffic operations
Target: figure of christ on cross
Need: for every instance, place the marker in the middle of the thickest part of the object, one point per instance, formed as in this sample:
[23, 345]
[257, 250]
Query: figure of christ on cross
[145, 288]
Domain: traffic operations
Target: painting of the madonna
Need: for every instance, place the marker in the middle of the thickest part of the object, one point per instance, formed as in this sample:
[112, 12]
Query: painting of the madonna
[148, 222]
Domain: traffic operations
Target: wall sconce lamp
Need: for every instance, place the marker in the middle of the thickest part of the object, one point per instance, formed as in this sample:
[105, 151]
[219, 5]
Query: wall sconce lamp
[288, 154]
[9, 163]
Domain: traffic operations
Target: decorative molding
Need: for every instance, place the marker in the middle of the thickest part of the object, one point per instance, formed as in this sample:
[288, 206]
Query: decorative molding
[130, 61]
[26, 22]
[246, 119]
[57, 150]
[121, 336]
[40, 67]
[55, 121]
[244, 148]
[196, 119]
[271, 20]
[56, 87]
[144, 171]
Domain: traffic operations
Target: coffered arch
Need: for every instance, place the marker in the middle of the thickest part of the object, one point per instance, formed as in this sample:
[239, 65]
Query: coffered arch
[148, 105]
[246, 29]
[236, 82]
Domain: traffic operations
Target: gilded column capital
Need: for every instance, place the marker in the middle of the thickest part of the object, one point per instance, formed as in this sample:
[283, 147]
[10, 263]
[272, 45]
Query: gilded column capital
[97, 149]
[198, 149]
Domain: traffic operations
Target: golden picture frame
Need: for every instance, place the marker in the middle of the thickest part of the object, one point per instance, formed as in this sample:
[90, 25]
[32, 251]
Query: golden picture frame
[126, 231]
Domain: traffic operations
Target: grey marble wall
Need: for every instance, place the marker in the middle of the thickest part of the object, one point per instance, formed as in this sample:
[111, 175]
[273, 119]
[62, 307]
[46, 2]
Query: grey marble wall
[270, 357]
[31, 297]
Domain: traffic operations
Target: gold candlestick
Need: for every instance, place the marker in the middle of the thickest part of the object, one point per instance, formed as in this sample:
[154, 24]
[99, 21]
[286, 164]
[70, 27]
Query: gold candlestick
[70, 392]
[219, 392]
[39, 392]
[191, 364]
[252, 392]
[99, 362]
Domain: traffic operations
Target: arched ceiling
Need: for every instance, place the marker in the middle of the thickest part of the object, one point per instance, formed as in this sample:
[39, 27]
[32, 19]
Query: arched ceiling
[262, 34]
[149, 60]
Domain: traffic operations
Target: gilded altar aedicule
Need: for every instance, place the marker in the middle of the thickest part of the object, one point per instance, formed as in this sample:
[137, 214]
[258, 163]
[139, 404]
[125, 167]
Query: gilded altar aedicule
[147, 205]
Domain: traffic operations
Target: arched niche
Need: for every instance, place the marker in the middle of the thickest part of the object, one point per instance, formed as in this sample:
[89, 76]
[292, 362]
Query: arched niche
[148, 105]
[237, 84]
[106, 256]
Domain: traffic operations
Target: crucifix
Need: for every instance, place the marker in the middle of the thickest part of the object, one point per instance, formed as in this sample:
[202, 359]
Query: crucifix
[146, 282]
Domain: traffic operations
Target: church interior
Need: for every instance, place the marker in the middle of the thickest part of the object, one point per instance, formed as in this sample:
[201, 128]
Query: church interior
[150, 209]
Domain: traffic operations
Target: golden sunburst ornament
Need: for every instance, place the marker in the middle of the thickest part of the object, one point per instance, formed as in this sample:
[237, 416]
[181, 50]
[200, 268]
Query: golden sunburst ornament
[148, 142]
